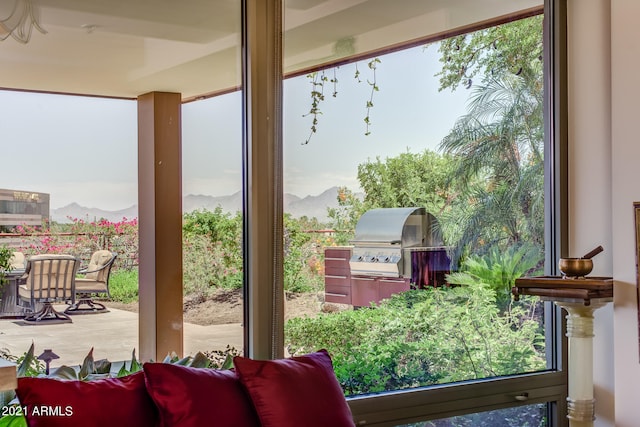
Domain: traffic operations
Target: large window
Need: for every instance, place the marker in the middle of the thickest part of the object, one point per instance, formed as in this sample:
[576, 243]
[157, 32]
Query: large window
[450, 119]
[465, 168]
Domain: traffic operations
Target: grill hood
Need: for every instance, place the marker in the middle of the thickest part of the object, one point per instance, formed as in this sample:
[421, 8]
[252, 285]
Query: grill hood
[396, 226]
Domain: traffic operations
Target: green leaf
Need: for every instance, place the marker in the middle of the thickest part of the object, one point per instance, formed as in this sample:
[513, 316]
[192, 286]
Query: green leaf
[65, 372]
[199, 361]
[228, 362]
[88, 367]
[27, 362]
[123, 372]
[92, 377]
[13, 421]
[102, 366]
[135, 365]
[185, 361]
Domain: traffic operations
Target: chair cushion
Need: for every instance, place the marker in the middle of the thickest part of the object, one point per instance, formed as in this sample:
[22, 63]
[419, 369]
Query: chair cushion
[99, 403]
[17, 261]
[23, 292]
[97, 261]
[51, 276]
[294, 392]
[207, 397]
[88, 285]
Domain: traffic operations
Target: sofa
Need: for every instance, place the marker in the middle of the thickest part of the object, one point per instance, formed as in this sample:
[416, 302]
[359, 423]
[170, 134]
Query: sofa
[300, 391]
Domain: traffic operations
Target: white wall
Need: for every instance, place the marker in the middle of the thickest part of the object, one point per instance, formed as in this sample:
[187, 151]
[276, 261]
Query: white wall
[590, 183]
[604, 134]
[625, 189]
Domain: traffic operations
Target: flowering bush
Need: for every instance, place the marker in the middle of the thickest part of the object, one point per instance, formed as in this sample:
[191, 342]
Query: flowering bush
[212, 249]
[81, 238]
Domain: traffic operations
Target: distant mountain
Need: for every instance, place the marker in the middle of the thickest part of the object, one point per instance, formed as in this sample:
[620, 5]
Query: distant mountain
[232, 203]
[74, 211]
[310, 206]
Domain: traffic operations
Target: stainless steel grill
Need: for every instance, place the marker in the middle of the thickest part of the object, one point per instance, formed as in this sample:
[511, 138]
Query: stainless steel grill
[387, 239]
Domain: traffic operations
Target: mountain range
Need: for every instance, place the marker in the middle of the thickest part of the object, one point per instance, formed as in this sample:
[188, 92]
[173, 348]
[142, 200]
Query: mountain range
[309, 206]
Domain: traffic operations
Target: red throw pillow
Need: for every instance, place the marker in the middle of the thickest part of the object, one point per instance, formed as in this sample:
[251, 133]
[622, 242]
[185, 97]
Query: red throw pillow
[108, 402]
[197, 397]
[299, 391]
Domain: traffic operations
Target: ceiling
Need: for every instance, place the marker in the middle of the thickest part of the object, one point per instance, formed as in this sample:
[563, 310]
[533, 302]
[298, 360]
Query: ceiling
[124, 48]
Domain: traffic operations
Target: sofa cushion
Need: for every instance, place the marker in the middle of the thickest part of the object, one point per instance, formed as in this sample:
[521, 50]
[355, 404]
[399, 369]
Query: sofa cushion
[195, 397]
[294, 392]
[105, 402]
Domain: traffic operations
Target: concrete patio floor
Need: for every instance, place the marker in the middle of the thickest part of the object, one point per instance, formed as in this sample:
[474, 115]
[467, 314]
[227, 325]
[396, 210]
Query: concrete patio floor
[112, 335]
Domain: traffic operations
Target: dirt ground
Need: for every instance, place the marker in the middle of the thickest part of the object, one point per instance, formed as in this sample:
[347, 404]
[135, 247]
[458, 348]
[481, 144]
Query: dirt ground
[225, 306]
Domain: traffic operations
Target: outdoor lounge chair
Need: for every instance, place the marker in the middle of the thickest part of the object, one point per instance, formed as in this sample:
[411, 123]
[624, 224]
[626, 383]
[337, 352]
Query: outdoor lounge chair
[48, 278]
[95, 281]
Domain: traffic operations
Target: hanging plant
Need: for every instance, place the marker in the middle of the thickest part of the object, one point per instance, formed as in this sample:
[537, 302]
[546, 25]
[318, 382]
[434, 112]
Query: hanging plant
[373, 64]
[318, 80]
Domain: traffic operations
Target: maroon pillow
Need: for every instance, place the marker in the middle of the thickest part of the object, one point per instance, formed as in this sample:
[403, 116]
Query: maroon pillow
[196, 397]
[105, 402]
[295, 392]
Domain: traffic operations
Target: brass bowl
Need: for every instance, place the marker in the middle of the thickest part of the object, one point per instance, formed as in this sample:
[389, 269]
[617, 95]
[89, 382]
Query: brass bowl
[575, 267]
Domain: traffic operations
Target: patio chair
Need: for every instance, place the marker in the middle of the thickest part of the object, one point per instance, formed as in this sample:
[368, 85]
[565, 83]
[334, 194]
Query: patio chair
[17, 261]
[94, 282]
[48, 278]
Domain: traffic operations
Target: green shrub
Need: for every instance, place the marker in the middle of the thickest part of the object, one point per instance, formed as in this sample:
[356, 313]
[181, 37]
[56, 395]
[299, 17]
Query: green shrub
[205, 268]
[213, 253]
[5, 256]
[123, 285]
[423, 337]
[212, 245]
[299, 274]
[499, 269]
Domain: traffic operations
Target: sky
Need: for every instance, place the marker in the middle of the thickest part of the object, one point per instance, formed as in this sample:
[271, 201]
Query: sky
[84, 150]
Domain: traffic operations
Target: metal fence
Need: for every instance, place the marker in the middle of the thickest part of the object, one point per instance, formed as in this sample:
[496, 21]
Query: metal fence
[80, 245]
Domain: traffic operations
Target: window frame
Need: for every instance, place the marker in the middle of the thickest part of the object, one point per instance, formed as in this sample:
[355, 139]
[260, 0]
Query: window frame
[262, 189]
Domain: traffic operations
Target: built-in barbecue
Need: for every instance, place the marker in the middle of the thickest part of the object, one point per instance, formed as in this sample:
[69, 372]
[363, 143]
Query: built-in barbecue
[394, 249]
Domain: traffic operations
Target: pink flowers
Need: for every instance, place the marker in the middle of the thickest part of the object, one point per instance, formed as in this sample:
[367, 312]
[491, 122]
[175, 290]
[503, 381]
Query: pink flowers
[81, 238]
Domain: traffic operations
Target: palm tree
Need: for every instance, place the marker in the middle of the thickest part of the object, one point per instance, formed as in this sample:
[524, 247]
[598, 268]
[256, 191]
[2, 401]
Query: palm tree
[499, 176]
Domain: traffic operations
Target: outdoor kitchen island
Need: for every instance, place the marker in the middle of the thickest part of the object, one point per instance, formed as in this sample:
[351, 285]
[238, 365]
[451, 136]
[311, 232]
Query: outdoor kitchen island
[394, 250]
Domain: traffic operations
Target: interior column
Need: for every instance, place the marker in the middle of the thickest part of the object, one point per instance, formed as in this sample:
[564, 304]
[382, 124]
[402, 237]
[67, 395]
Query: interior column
[580, 400]
[160, 225]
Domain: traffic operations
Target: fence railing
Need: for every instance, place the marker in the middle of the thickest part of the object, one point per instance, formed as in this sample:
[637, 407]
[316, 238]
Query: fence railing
[124, 243]
[80, 245]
